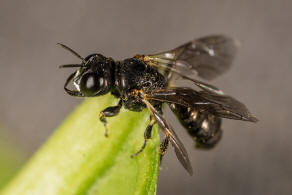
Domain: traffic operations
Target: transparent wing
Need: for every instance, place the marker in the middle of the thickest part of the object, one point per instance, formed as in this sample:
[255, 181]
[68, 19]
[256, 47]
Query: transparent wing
[179, 148]
[208, 57]
[218, 105]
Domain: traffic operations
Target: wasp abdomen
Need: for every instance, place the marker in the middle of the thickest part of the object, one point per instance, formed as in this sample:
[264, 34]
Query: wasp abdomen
[205, 128]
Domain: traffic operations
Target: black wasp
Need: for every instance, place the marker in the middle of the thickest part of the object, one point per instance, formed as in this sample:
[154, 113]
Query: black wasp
[145, 81]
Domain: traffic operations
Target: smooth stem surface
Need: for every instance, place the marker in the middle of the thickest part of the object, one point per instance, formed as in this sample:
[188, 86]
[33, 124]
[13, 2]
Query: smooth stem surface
[79, 159]
[11, 158]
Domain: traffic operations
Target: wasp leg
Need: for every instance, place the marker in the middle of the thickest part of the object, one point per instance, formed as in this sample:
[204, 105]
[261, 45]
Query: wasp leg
[179, 149]
[164, 146]
[147, 135]
[109, 112]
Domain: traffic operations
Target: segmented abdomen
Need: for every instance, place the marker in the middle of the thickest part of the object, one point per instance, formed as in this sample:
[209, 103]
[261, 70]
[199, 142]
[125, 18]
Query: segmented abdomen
[205, 128]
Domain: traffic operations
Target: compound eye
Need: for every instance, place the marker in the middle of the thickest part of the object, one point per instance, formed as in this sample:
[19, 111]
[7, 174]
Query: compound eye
[91, 84]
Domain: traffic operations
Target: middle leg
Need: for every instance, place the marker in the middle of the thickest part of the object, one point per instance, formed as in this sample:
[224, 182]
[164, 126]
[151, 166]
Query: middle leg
[147, 135]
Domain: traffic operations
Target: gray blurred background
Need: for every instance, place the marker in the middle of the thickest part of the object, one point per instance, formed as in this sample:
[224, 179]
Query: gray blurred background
[250, 159]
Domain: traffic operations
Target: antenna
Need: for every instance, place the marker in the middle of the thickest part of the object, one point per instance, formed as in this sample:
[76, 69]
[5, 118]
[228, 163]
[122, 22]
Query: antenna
[73, 52]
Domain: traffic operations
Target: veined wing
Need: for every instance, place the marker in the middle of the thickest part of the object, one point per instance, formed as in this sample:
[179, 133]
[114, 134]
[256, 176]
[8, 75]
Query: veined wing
[179, 148]
[219, 105]
[207, 57]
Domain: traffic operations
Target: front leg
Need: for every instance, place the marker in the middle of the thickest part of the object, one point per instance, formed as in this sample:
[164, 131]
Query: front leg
[109, 112]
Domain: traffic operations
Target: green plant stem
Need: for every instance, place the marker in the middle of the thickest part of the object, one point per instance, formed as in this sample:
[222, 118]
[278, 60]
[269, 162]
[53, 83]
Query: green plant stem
[79, 159]
[11, 158]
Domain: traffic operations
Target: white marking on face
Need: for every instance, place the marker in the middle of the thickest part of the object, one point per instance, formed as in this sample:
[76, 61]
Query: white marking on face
[205, 125]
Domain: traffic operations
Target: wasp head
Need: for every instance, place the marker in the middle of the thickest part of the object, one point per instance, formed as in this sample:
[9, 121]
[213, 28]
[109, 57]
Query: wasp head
[94, 76]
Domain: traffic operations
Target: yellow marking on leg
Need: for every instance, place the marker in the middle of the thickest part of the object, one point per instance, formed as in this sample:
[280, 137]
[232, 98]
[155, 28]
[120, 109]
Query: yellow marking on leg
[152, 121]
[101, 114]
